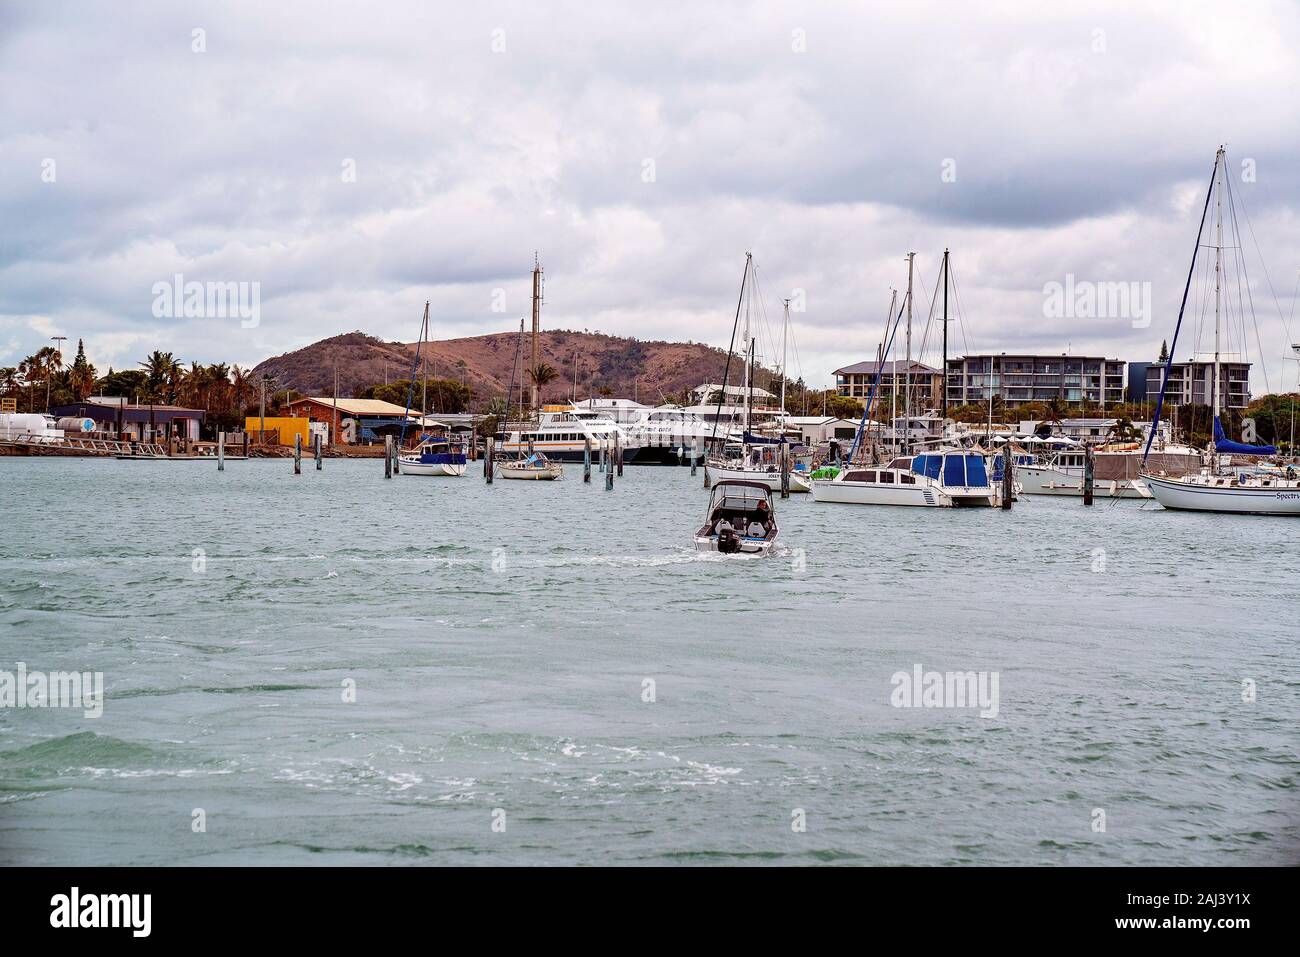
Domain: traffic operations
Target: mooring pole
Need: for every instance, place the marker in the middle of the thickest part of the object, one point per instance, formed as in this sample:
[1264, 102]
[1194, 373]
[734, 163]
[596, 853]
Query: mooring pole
[609, 473]
[785, 467]
[1008, 483]
[221, 451]
[1087, 475]
[601, 448]
[586, 459]
[618, 454]
[297, 453]
[388, 456]
[489, 459]
[317, 443]
[695, 448]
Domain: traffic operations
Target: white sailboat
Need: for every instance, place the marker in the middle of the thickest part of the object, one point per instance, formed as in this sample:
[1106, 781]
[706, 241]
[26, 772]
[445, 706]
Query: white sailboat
[1218, 488]
[766, 462]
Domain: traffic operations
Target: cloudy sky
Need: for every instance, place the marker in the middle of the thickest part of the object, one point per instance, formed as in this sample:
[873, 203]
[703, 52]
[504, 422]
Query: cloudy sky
[356, 159]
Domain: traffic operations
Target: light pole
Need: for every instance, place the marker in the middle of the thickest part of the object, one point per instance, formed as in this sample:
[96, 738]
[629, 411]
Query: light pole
[49, 373]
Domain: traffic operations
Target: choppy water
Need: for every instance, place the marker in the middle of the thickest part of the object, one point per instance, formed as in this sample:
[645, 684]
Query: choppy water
[500, 639]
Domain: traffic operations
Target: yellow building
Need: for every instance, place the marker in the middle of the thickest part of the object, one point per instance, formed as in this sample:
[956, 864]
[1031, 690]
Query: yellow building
[287, 426]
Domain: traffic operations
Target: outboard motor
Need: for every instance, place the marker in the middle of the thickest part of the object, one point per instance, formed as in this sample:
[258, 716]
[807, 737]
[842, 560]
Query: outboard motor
[728, 541]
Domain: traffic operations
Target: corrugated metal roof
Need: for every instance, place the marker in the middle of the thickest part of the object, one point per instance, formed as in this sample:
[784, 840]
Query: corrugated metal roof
[355, 406]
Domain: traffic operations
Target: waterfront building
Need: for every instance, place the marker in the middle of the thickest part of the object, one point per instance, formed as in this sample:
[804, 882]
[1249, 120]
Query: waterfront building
[1190, 382]
[1021, 378]
[350, 421]
[136, 422]
[816, 429]
[855, 381]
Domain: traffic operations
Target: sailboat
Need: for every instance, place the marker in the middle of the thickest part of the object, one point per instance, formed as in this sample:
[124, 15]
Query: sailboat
[753, 459]
[1218, 487]
[944, 478]
[527, 464]
[433, 454]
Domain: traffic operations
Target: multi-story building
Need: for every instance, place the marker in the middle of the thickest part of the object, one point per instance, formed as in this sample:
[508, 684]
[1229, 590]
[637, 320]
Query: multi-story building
[1018, 379]
[1190, 382]
[926, 381]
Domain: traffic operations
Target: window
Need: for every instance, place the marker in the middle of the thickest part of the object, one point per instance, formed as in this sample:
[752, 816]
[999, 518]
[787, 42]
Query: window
[887, 478]
[906, 479]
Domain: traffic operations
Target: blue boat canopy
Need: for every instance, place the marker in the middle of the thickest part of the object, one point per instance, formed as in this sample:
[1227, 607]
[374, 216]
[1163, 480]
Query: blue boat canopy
[954, 468]
[1223, 444]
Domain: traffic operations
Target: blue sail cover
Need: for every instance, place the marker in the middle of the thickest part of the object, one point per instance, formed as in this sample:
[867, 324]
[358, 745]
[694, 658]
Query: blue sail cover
[1223, 444]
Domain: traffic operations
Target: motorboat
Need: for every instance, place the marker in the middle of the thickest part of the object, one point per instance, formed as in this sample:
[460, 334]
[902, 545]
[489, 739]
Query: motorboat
[740, 521]
[952, 479]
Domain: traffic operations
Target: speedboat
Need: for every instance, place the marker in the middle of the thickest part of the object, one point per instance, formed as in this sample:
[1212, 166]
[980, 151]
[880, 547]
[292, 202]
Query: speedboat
[740, 520]
[433, 455]
[536, 467]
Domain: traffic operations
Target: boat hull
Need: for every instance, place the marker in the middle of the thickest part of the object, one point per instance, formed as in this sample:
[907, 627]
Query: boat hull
[1239, 500]
[1038, 480]
[549, 474]
[438, 469]
[798, 481]
[871, 493]
[748, 546]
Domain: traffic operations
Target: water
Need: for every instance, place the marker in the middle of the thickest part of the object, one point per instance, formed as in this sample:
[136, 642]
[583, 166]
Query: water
[500, 639]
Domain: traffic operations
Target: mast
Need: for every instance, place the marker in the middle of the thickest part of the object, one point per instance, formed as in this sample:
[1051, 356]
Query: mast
[1218, 267]
[537, 319]
[944, 376]
[893, 383]
[785, 325]
[907, 389]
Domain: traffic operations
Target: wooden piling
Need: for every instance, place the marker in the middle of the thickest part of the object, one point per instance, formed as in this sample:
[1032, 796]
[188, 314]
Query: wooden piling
[586, 459]
[618, 454]
[601, 447]
[785, 467]
[221, 451]
[297, 454]
[388, 456]
[695, 448]
[489, 459]
[1008, 484]
[318, 443]
[609, 472]
[1087, 475]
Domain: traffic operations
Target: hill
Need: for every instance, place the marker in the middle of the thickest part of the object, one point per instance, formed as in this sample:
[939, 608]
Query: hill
[649, 370]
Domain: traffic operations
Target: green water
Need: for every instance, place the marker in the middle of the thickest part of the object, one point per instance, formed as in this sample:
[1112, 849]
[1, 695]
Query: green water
[502, 642]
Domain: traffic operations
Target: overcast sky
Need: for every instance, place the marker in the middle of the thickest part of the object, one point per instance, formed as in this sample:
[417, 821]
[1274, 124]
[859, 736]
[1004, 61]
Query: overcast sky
[357, 159]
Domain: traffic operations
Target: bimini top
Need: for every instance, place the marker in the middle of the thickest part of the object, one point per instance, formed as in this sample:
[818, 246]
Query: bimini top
[739, 495]
[954, 469]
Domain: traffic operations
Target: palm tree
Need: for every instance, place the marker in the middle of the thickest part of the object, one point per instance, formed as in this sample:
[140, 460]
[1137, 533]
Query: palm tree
[158, 368]
[542, 375]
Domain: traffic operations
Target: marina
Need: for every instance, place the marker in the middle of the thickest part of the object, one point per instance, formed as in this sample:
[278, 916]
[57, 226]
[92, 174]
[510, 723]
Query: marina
[396, 474]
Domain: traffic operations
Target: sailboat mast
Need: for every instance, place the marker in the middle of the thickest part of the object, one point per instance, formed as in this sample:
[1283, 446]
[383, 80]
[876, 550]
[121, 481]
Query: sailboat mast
[537, 320]
[1218, 267]
[944, 376]
[785, 327]
[907, 389]
[893, 381]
